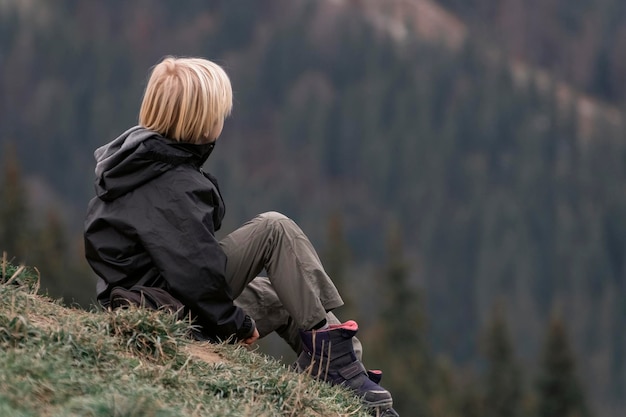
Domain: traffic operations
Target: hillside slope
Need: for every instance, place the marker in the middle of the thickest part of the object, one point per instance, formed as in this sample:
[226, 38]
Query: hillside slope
[57, 361]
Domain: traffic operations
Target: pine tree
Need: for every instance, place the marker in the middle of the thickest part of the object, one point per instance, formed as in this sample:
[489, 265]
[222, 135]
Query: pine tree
[50, 254]
[503, 382]
[402, 308]
[14, 225]
[418, 385]
[559, 392]
[336, 258]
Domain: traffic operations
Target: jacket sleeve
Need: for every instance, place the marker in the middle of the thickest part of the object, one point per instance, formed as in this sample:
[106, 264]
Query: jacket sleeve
[177, 230]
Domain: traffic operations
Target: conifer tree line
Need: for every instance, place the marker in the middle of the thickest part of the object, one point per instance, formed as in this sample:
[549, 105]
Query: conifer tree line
[448, 187]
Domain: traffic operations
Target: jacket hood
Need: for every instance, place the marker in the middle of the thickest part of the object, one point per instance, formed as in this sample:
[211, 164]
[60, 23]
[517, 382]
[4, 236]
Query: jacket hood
[139, 155]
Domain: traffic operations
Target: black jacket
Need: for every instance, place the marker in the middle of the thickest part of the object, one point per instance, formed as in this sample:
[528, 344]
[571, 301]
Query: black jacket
[153, 222]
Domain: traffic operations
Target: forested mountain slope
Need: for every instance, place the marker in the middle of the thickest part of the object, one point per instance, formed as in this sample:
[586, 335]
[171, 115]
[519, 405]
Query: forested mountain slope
[579, 40]
[484, 184]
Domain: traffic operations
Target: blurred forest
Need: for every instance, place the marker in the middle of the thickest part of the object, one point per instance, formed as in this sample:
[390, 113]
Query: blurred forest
[459, 164]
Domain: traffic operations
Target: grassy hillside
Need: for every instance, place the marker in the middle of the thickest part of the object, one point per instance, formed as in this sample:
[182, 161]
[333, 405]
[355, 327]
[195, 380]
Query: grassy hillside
[56, 361]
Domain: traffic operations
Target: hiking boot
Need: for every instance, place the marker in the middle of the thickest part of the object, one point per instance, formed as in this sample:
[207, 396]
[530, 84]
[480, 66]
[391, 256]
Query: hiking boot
[328, 355]
[376, 376]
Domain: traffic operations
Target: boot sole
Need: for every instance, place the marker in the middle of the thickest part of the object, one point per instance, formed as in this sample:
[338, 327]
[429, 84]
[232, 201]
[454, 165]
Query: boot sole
[384, 403]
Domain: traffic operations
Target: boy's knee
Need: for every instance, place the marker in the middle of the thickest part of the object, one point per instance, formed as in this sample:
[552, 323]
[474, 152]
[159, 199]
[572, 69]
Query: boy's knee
[273, 216]
[278, 222]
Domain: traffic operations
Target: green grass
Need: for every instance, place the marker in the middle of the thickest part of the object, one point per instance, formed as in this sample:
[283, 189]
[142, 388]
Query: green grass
[57, 361]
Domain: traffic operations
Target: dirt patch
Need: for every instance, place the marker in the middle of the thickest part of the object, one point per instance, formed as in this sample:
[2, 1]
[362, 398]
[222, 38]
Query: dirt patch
[204, 352]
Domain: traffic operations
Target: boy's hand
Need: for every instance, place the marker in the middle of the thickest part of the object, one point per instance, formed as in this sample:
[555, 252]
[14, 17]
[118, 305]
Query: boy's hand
[251, 339]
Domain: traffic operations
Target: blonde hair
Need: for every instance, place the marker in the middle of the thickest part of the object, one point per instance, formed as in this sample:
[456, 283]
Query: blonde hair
[186, 98]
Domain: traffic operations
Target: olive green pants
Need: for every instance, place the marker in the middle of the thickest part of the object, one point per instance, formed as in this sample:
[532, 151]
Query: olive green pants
[296, 294]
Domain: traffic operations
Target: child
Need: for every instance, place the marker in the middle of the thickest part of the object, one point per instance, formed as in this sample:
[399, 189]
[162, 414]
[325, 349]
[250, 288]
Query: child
[150, 236]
